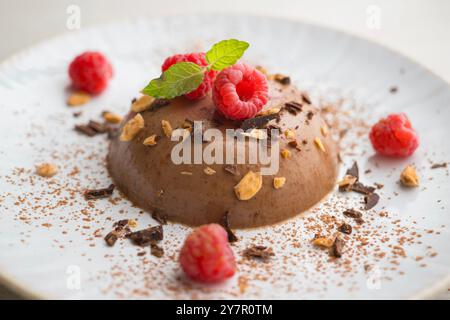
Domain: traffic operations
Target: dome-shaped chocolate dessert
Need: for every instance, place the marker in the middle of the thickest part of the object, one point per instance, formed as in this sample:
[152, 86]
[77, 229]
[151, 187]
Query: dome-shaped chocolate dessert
[142, 167]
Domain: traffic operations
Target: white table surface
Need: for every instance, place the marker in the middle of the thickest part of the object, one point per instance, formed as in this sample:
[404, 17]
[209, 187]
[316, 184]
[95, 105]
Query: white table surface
[419, 29]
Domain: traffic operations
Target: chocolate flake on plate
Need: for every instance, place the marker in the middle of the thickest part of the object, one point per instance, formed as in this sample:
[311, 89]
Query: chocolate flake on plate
[92, 194]
[224, 222]
[111, 238]
[439, 165]
[337, 247]
[293, 107]
[354, 214]
[371, 200]
[121, 229]
[147, 236]
[86, 130]
[345, 228]
[258, 122]
[156, 250]
[305, 98]
[262, 253]
[360, 188]
[353, 171]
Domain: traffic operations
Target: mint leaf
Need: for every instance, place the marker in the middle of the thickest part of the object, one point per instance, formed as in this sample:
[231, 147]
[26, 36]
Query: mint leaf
[180, 78]
[225, 53]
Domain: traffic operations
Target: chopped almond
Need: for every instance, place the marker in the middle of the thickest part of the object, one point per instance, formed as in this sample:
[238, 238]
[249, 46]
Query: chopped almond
[112, 117]
[132, 223]
[132, 128]
[323, 242]
[142, 104]
[319, 144]
[290, 134]
[347, 181]
[278, 182]
[151, 140]
[409, 177]
[167, 128]
[324, 130]
[268, 112]
[78, 99]
[46, 170]
[249, 185]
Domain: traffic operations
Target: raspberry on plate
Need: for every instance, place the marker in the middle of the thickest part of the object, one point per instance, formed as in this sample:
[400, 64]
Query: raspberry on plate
[240, 91]
[206, 255]
[90, 72]
[394, 136]
[199, 59]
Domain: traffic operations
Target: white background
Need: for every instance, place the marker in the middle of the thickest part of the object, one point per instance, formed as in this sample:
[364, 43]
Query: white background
[419, 29]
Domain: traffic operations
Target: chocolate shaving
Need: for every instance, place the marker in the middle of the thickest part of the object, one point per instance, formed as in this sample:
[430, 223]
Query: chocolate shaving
[336, 248]
[231, 168]
[258, 122]
[354, 171]
[258, 252]
[439, 165]
[147, 236]
[92, 194]
[225, 223]
[156, 250]
[97, 126]
[159, 216]
[111, 238]
[121, 223]
[360, 188]
[121, 229]
[345, 228]
[356, 215]
[293, 107]
[393, 89]
[84, 129]
[305, 98]
[310, 115]
[371, 200]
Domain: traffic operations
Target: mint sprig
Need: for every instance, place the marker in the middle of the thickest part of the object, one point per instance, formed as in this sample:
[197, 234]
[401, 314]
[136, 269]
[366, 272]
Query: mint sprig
[184, 77]
[180, 78]
[225, 53]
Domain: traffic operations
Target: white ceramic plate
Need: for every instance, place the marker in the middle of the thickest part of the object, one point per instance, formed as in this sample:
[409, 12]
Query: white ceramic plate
[48, 248]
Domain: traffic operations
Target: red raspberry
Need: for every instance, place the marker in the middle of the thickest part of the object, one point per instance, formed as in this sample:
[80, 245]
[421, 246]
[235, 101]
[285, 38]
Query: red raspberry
[199, 59]
[206, 255]
[240, 92]
[394, 136]
[90, 72]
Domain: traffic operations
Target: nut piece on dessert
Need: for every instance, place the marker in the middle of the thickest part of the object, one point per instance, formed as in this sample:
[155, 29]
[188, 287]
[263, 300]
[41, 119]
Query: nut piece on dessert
[132, 128]
[409, 177]
[151, 140]
[167, 128]
[78, 99]
[249, 185]
[142, 104]
[46, 170]
[278, 182]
